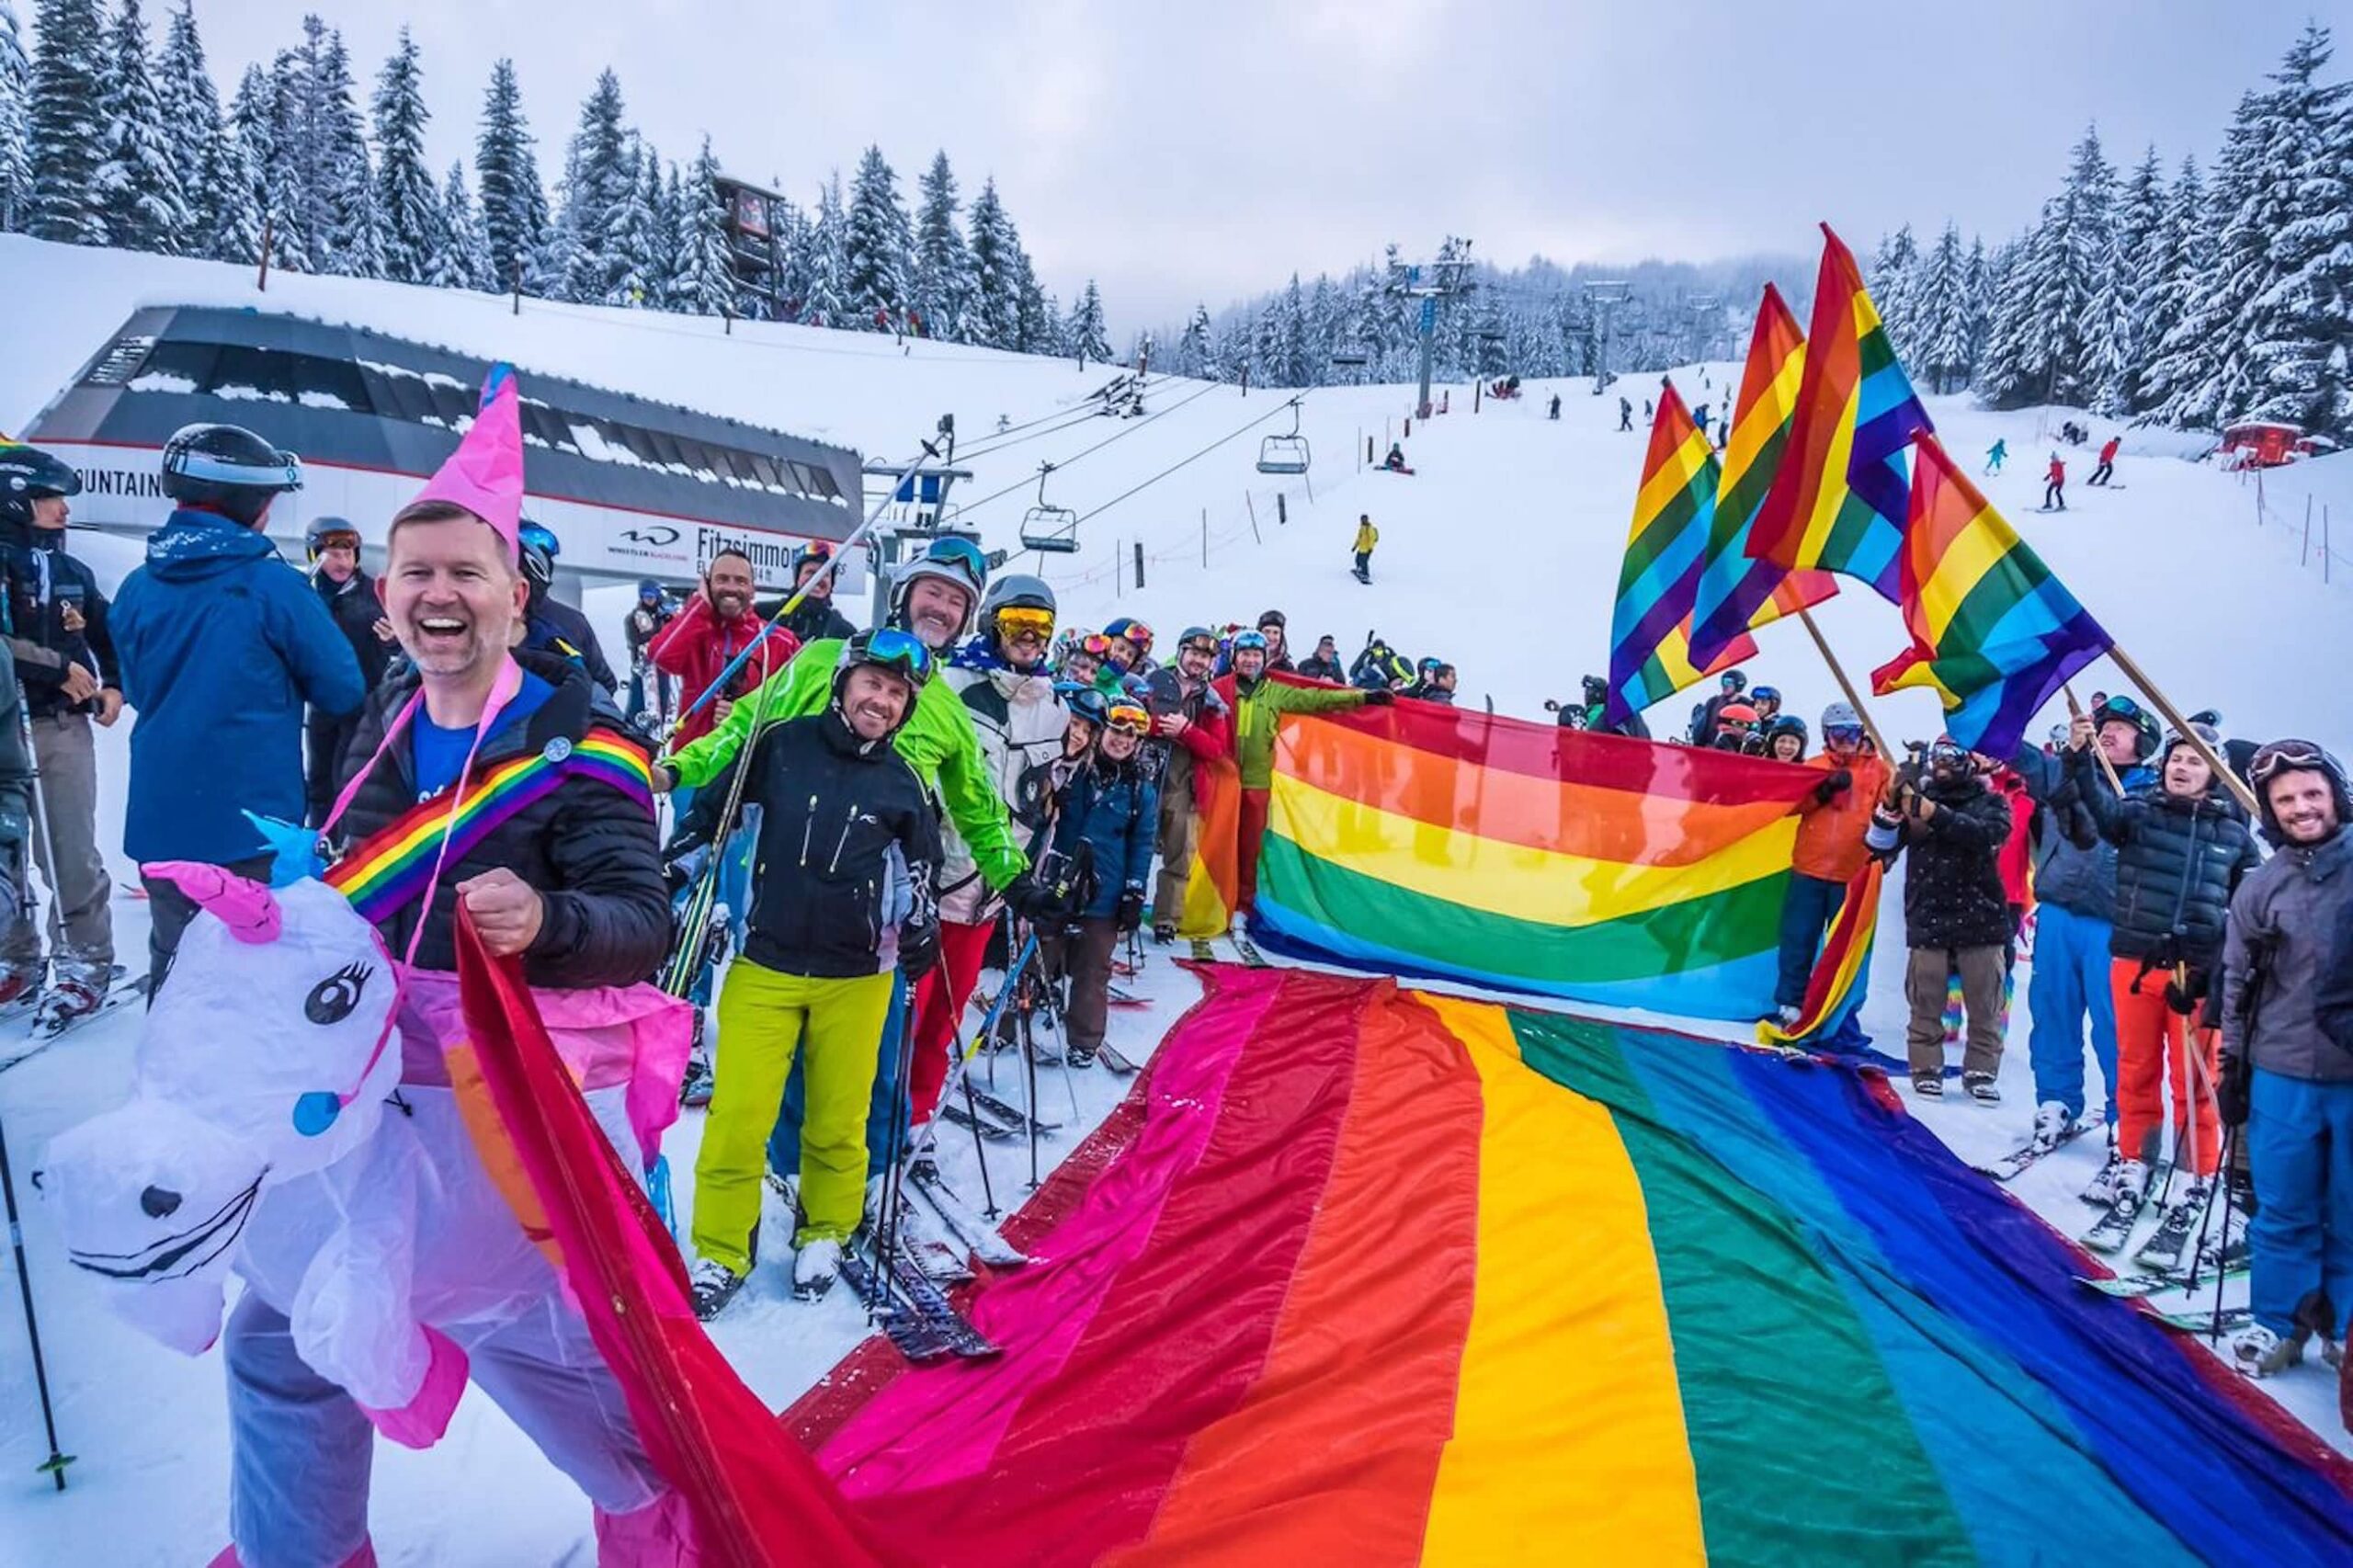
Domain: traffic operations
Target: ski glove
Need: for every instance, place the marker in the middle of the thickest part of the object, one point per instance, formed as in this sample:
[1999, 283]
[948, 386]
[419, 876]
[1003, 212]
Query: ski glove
[1837, 784]
[1380, 697]
[1129, 913]
[2235, 1089]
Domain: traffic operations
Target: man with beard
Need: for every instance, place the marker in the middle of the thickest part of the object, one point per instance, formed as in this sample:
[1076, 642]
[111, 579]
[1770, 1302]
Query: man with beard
[705, 637]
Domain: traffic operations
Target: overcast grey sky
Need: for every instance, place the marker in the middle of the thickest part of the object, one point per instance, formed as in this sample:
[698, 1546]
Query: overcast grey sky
[1206, 149]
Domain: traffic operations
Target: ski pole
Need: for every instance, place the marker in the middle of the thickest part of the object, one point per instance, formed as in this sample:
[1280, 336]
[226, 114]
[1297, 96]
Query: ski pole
[41, 805]
[962, 1070]
[56, 1462]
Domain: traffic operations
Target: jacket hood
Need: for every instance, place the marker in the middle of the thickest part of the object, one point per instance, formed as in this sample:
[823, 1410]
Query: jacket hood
[193, 545]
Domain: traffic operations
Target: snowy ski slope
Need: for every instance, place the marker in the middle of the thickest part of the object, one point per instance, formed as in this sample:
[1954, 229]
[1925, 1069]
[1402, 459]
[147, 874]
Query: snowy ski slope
[1500, 554]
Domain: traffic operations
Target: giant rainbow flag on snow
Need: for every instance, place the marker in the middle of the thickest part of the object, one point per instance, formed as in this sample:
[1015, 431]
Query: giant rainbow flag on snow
[1358, 1277]
[1435, 841]
[1837, 499]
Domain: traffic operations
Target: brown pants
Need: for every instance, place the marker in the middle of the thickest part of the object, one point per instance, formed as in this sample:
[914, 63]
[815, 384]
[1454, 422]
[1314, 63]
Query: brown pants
[1980, 1000]
[1084, 954]
[1179, 830]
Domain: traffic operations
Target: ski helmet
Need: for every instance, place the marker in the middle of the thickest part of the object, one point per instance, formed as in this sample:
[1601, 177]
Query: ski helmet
[2208, 716]
[1086, 702]
[1192, 636]
[1765, 694]
[1597, 689]
[816, 552]
[1785, 724]
[1736, 716]
[951, 558]
[326, 532]
[1273, 617]
[1735, 680]
[886, 648]
[2147, 738]
[647, 588]
[1428, 667]
[229, 470]
[2175, 741]
[1248, 641]
[1016, 591]
[1135, 632]
[2276, 757]
[27, 472]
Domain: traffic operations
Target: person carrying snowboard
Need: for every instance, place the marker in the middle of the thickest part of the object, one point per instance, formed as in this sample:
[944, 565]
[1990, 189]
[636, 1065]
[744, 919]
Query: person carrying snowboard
[2181, 851]
[1367, 536]
[2054, 485]
[2107, 469]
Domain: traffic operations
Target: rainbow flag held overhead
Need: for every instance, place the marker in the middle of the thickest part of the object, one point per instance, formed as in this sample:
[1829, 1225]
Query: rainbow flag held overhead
[1738, 593]
[1995, 634]
[1361, 1277]
[1433, 841]
[1837, 502]
[1649, 629]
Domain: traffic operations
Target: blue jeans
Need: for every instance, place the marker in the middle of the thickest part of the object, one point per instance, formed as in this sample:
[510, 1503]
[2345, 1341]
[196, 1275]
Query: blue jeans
[2070, 977]
[2300, 1150]
[887, 1106]
[1807, 910]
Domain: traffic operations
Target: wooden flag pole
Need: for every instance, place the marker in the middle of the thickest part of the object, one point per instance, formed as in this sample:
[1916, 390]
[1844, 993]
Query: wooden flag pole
[1854, 698]
[2133, 673]
[2075, 711]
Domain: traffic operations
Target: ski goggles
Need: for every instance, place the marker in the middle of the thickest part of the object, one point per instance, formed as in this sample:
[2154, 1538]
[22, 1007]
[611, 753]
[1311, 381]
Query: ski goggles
[1848, 734]
[1203, 644]
[2286, 757]
[1950, 753]
[1095, 645]
[1022, 623]
[1136, 633]
[960, 555]
[901, 650]
[1129, 717]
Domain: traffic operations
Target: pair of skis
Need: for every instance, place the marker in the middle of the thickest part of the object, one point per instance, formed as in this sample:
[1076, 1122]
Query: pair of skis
[40, 1032]
[2010, 1166]
[906, 1299]
[1243, 948]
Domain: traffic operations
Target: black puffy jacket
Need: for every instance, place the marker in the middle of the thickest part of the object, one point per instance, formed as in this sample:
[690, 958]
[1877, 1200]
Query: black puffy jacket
[356, 608]
[38, 579]
[2178, 862]
[589, 850]
[1952, 869]
[849, 848]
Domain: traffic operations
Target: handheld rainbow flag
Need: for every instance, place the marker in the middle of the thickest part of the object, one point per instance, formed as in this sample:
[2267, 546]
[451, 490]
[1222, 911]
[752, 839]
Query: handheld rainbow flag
[1361, 1277]
[1832, 994]
[1738, 593]
[1993, 633]
[1649, 629]
[1837, 502]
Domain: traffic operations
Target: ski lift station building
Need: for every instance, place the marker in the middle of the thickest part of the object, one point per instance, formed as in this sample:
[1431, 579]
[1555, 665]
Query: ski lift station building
[632, 489]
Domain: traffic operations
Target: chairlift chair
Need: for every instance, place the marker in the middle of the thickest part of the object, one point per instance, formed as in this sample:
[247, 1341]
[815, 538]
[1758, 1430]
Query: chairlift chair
[1049, 529]
[1284, 454]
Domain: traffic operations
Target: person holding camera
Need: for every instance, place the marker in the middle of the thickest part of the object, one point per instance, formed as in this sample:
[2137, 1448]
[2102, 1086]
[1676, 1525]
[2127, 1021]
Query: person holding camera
[2181, 850]
[1938, 813]
[2287, 1080]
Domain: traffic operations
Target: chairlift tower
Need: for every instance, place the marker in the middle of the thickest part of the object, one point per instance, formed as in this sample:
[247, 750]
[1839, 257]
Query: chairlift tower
[919, 508]
[1704, 321]
[1430, 283]
[1602, 298]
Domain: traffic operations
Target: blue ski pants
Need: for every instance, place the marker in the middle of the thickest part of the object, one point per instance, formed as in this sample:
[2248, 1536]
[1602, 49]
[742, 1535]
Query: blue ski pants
[1807, 910]
[2070, 979]
[2300, 1150]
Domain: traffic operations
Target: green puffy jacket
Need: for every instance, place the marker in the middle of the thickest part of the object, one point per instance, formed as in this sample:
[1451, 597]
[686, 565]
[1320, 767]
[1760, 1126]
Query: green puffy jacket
[1258, 706]
[938, 743]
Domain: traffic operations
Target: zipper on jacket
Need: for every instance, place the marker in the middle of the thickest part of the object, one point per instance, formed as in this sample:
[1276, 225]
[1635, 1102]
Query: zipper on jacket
[807, 826]
[842, 842]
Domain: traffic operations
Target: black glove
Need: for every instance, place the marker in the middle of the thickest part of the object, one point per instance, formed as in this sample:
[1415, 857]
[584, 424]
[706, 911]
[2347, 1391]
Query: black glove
[1026, 898]
[2235, 1090]
[1130, 915]
[1830, 788]
[1379, 698]
[918, 950]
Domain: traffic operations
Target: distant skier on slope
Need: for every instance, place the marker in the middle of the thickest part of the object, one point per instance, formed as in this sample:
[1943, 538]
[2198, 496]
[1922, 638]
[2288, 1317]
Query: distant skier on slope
[1367, 536]
[2054, 485]
[1625, 415]
[2107, 469]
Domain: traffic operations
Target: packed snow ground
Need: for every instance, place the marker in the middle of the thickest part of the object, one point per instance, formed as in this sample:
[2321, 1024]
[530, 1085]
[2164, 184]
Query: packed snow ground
[1500, 554]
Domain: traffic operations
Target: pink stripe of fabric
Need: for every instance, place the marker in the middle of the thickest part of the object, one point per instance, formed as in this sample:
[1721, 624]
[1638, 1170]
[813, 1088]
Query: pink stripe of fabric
[945, 1423]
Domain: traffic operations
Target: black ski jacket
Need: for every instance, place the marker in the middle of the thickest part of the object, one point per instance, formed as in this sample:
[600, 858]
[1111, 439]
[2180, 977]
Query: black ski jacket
[589, 850]
[357, 610]
[550, 626]
[848, 849]
[2178, 862]
[1952, 875]
[811, 621]
[38, 579]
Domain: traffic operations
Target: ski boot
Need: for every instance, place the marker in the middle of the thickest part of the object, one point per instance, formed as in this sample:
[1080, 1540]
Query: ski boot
[2050, 1124]
[694, 1088]
[1164, 932]
[19, 988]
[1982, 1087]
[69, 999]
[1928, 1086]
[2101, 1190]
[2113, 1229]
[713, 1285]
[2176, 1227]
[814, 1269]
[1080, 1056]
[2263, 1354]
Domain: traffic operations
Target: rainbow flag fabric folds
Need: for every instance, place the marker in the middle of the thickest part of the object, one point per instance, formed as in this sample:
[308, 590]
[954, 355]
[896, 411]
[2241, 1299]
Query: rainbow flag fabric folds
[1837, 502]
[1993, 633]
[1835, 990]
[1737, 592]
[1214, 877]
[1361, 1277]
[1431, 841]
[1650, 631]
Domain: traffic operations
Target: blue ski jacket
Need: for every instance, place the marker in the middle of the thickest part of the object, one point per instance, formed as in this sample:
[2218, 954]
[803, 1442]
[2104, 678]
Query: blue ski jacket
[220, 643]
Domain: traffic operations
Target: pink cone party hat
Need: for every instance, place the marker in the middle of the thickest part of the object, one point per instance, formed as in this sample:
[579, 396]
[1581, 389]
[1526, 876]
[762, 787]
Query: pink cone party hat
[485, 475]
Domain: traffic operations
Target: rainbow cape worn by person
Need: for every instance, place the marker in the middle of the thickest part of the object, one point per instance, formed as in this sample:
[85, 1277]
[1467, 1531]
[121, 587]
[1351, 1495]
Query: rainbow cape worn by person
[1435, 841]
[1214, 877]
[1838, 498]
[1361, 1277]
[1833, 990]
[1995, 634]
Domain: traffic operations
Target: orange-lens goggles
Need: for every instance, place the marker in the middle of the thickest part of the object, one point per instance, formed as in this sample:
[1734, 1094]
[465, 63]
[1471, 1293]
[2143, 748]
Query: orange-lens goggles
[1129, 717]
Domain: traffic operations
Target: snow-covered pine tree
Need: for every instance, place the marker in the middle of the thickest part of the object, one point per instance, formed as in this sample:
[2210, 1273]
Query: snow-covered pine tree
[704, 284]
[599, 178]
[1087, 335]
[191, 117]
[235, 196]
[1978, 278]
[328, 149]
[942, 288]
[1327, 328]
[670, 217]
[1893, 290]
[1193, 347]
[506, 167]
[256, 189]
[461, 260]
[2120, 345]
[875, 245]
[640, 241]
[2173, 275]
[1938, 351]
[2006, 377]
[2299, 327]
[2199, 377]
[15, 102]
[67, 126]
[1037, 327]
[136, 185]
[994, 310]
[826, 301]
[2073, 257]
[408, 208]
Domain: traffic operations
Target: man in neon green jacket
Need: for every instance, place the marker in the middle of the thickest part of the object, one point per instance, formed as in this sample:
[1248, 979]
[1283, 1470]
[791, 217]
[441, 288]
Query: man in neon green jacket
[1258, 704]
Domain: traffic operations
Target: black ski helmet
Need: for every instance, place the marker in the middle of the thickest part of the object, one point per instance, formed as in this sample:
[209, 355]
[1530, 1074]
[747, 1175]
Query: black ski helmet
[229, 470]
[1734, 681]
[323, 531]
[539, 548]
[27, 474]
[886, 647]
[1017, 590]
[1595, 690]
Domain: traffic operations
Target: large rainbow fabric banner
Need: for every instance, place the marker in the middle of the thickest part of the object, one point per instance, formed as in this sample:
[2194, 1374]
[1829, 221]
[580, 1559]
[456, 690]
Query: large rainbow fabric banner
[1433, 841]
[1838, 497]
[1358, 1277]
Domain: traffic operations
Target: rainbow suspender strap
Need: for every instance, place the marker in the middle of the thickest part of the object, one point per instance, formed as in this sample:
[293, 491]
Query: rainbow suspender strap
[389, 869]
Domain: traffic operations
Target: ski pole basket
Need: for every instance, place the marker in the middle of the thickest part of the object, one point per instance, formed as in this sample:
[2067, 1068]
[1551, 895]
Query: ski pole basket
[1046, 528]
[1284, 454]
